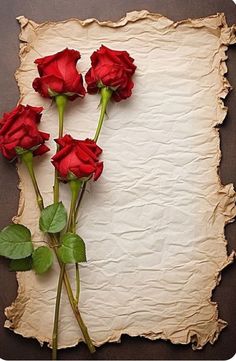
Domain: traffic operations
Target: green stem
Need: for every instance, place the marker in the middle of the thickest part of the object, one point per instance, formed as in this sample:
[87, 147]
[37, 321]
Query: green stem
[77, 283]
[75, 186]
[56, 187]
[27, 159]
[106, 94]
[78, 187]
[81, 194]
[56, 318]
[61, 101]
[74, 307]
[83, 188]
[71, 298]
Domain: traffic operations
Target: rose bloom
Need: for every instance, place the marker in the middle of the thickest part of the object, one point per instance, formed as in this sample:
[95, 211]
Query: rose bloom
[111, 68]
[19, 129]
[80, 157]
[59, 75]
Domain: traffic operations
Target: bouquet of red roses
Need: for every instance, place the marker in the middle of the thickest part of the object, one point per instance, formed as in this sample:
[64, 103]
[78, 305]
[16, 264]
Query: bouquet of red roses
[76, 163]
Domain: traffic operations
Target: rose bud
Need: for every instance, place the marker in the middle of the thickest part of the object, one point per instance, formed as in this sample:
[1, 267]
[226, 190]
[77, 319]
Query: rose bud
[77, 158]
[113, 69]
[19, 130]
[59, 75]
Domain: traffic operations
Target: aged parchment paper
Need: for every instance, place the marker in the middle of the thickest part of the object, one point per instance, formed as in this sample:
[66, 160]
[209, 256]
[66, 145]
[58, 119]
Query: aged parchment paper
[154, 222]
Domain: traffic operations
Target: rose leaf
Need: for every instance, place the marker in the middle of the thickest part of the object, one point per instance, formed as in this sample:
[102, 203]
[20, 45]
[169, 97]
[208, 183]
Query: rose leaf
[53, 218]
[72, 249]
[42, 259]
[15, 242]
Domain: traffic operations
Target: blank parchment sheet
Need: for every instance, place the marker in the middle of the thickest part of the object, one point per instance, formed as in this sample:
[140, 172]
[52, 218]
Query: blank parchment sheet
[154, 222]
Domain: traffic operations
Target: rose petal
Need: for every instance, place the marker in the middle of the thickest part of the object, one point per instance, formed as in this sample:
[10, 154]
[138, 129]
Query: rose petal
[46, 83]
[98, 171]
[41, 150]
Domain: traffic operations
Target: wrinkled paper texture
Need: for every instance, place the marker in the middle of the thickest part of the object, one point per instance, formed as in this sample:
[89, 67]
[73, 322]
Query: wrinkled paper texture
[154, 222]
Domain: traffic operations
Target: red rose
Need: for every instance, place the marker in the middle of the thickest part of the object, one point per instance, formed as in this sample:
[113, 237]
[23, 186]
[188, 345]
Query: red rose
[111, 68]
[80, 157]
[19, 129]
[58, 75]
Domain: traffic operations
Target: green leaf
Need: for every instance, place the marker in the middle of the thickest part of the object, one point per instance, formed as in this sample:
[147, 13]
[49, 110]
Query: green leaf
[23, 264]
[53, 218]
[72, 249]
[42, 259]
[15, 242]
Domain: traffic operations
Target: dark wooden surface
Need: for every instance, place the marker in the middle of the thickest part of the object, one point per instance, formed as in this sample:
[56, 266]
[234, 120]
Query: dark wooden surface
[16, 347]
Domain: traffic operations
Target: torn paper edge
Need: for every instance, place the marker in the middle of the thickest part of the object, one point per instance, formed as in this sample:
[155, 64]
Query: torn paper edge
[228, 195]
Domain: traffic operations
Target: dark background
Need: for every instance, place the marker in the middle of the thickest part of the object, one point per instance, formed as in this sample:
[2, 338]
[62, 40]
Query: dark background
[16, 347]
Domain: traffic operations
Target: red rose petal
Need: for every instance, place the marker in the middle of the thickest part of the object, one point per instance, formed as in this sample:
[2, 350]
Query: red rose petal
[98, 171]
[46, 83]
[77, 156]
[112, 68]
[19, 129]
[41, 150]
[59, 73]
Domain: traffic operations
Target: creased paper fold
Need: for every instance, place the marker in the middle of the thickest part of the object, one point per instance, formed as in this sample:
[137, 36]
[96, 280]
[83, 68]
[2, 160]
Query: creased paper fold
[154, 223]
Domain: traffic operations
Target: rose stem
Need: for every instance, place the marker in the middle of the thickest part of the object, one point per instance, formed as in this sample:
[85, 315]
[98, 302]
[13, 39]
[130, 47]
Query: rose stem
[77, 283]
[56, 319]
[28, 161]
[75, 188]
[76, 311]
[61, 101]
[80, 197]
[83, 188]
[106, 94]
[76, 210]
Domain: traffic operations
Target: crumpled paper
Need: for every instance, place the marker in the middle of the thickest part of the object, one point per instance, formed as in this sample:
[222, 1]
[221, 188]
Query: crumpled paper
[154, 222]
